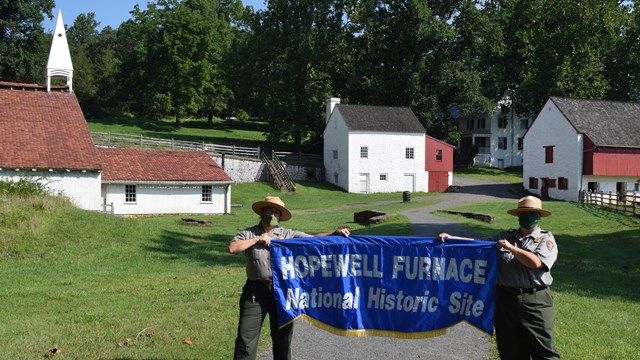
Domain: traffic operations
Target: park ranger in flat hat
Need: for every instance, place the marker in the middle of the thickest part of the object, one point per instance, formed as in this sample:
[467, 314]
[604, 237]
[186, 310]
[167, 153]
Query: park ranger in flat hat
[524, 305]
[257, 297]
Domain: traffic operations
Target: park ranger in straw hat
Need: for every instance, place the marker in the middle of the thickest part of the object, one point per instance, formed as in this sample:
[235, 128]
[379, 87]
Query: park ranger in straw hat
[524, 305]
[257, 297]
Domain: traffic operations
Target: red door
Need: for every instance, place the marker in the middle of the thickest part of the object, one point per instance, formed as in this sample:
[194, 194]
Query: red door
[544, 190]
[438, 181]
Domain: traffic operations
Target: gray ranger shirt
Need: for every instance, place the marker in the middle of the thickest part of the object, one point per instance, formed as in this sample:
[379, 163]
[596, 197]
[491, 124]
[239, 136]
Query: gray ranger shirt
[512, 273]
[258, 256]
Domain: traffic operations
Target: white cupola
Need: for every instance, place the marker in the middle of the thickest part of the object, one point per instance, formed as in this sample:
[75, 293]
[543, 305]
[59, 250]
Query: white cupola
[59, 64]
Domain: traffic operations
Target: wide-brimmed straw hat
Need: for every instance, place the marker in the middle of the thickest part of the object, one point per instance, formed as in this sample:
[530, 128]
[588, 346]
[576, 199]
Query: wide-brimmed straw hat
[274, 202]
[529, 204]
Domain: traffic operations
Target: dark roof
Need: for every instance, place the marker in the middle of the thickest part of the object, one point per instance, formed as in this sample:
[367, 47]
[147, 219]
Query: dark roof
[133, 164]
[41, 130]
[606, 123]
[380, 118]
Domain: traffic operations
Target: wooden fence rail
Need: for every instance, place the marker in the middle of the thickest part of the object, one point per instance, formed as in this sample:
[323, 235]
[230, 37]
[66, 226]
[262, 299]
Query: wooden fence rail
[109, 139]
[626, 202]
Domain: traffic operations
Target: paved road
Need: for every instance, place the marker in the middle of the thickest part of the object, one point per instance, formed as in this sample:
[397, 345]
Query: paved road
[462, 342]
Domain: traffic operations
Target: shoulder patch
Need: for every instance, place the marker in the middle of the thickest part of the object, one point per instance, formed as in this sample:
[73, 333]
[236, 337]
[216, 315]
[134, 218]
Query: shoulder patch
[550, 245]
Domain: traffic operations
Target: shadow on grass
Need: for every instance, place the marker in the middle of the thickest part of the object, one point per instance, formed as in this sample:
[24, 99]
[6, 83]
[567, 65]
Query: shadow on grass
[599, 265]
[207, 250]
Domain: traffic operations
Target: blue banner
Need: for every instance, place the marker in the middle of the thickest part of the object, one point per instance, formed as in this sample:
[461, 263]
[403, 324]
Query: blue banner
[408, 287]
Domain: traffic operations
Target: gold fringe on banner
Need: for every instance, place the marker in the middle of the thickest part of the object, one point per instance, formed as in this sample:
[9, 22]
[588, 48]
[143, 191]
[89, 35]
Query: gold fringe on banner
[370, 332]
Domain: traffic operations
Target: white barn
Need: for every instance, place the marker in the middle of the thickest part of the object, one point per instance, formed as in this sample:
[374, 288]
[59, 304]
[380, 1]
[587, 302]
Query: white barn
[575, 145]
[372, 149]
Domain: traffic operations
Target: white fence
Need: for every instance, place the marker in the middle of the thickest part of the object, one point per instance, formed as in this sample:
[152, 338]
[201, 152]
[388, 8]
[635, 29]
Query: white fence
[109, 139]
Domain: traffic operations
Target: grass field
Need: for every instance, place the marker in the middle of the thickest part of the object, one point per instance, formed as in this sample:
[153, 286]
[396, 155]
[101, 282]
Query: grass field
[104, 287]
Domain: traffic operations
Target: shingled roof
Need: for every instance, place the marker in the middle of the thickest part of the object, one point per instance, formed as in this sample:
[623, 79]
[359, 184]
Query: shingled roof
[40, 130]
[380, 118]
[132, 164]
[606, 123]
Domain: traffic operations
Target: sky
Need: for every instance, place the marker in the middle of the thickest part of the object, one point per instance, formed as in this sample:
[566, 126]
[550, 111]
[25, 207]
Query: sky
[109, 12]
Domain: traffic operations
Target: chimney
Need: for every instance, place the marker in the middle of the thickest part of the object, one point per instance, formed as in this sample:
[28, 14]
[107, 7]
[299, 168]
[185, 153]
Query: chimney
[331, 103]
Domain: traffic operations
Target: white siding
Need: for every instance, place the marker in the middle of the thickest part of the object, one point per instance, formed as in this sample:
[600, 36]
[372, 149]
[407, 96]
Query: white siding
[167, 199]
[386, 156]
[82, 188]
[550, 128]
[336, 138]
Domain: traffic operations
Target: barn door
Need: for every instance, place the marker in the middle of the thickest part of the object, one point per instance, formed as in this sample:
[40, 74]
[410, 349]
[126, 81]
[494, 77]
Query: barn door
[409, 182]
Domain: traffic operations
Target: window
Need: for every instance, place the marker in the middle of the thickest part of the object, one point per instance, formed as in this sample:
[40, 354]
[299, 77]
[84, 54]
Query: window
[206, 193]
[130, 193]
[533, 183]
[335, 154]
[520, 143]
[482, 123]
[502, 143]
[551, 183]
[438, 155]
[383, 177]
[593, 186]
[502, 122]
[548, 154]
[563, 183]
[364, 152]
[636, 186]
[524, 124]
[408, 153]
[470, 124]
[335, 178]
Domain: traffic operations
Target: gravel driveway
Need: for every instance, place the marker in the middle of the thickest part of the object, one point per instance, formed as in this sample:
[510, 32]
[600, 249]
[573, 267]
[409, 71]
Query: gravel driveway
[462, 342]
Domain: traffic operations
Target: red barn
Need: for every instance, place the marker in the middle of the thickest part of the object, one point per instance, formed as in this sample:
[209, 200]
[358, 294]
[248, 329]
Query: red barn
[575, 145]
[438, 164]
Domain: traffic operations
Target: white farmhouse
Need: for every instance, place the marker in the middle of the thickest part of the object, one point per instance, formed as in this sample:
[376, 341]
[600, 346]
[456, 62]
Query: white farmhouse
[497, 135]
[575, 145]
[372, 149]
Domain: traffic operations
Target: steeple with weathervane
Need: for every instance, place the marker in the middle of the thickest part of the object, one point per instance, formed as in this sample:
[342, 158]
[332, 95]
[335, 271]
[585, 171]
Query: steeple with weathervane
[59, 64]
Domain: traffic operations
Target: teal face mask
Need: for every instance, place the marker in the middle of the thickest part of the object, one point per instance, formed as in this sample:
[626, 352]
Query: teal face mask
[270, 219]
[529, 220]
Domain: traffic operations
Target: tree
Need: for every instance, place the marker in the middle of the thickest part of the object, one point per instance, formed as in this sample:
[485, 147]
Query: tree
[294, 41]
[170, 51]
[561, 47]
[24, 46]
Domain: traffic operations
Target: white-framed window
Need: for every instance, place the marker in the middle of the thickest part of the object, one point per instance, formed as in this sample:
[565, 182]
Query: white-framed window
[438, 154]
[335, 154]
[470, 124]
[364, 152]
[520, 143]
[482, 123]
[383, 177]
[130, 193]
[408, 153]
[524, 124]
[502, 122]
[207, 193]
[502, 143]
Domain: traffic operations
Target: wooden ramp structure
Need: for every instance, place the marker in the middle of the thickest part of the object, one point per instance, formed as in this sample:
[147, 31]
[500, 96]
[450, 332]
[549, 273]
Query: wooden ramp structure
[277, 173]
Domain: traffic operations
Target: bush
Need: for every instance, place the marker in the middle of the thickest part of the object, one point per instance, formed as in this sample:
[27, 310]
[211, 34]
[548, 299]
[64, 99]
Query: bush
[22, 187]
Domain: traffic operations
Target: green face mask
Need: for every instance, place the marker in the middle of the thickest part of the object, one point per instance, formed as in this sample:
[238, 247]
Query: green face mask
[529, 220]
[270, 219]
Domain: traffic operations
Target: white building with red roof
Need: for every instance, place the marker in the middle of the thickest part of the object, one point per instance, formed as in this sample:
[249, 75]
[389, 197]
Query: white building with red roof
[44, 138]
[144, 181]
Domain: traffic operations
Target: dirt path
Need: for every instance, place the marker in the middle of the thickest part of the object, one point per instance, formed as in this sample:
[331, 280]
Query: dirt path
[462, 342]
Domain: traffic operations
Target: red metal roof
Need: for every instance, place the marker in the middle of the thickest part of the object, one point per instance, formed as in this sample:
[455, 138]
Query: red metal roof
[133, 164]
[41, 130]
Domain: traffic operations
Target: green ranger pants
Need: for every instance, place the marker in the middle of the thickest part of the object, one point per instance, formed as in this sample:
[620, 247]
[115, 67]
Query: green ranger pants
[257, 300]
[524, 324]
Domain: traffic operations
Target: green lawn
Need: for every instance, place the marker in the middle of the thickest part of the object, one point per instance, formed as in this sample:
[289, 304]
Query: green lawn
[99, 286]
[249, 133]
[104, 287]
